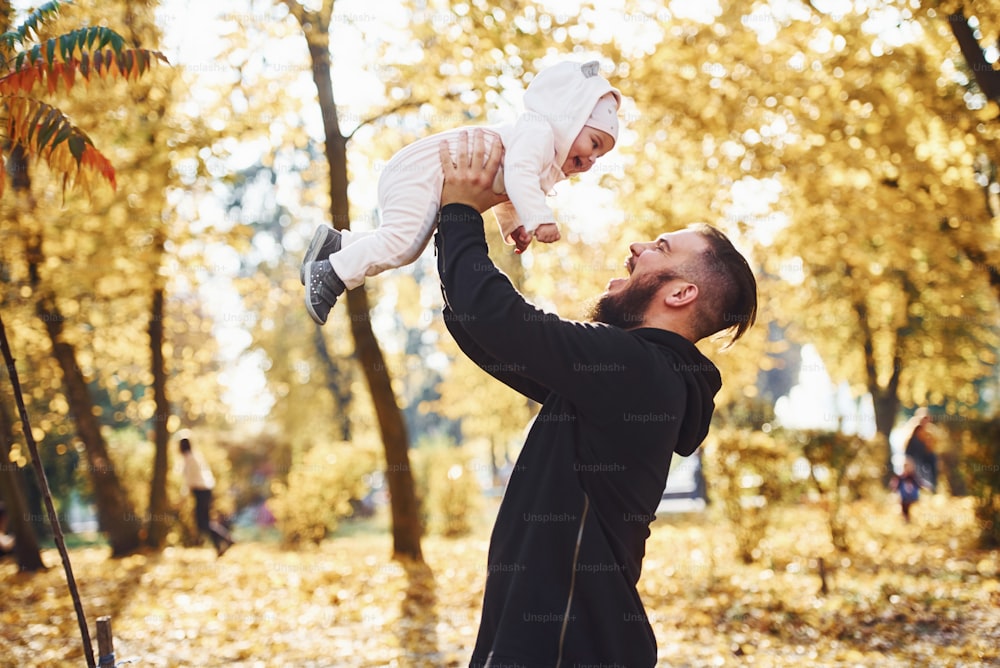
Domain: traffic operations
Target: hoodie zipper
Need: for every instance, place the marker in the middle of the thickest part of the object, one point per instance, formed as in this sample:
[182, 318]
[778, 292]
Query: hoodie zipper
[437, 231]
[572, 581]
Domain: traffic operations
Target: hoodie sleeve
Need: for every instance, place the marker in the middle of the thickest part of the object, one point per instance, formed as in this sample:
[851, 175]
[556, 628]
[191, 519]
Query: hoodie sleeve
[528, 154]
[508, 374]
[598, 367]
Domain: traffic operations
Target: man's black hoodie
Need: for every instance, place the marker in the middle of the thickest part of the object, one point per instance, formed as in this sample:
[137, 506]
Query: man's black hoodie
[570, 535]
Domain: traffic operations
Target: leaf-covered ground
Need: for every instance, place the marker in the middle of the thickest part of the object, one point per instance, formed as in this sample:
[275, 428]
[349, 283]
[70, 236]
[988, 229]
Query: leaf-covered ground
[905, 595]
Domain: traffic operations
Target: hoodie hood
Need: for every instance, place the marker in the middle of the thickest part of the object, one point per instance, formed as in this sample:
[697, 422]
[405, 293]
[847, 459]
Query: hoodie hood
[701, 380]
[565, 94]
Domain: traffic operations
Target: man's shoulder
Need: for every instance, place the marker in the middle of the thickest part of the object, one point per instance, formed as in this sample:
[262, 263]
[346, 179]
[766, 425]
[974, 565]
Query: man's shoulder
[681, 356]
[670, 343]
[644, 350]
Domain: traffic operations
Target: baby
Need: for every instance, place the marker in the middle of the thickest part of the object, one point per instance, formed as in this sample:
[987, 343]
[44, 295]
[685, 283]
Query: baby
[570, 120]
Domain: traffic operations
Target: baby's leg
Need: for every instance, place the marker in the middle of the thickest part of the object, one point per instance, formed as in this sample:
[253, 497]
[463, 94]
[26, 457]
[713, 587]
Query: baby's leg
[409, 196]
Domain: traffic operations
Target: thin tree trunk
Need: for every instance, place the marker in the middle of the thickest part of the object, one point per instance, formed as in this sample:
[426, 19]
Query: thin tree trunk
[158, 521]
[26, 549]
[36, 464]
[988, 80]
[404, 506]
[17, 167]
[138, 17]
[886, 408]
[114, 510]
[336, 383]
[885, 399]
[406, 527]
[986, 77]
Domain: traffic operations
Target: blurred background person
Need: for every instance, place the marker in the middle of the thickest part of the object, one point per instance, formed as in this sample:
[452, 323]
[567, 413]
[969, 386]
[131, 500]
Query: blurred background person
[198, 478]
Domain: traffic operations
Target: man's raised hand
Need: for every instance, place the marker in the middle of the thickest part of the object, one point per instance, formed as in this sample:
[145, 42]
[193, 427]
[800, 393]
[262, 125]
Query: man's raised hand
[468, 179]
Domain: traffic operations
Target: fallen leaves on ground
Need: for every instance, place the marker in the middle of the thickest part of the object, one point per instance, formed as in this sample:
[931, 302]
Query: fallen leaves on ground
[905, 595]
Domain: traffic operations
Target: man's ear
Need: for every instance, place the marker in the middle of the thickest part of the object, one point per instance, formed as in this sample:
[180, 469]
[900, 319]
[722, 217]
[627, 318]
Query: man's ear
[680, 293]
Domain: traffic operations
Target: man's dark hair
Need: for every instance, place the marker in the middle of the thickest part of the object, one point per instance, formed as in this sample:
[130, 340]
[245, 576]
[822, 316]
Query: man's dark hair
[727, 288]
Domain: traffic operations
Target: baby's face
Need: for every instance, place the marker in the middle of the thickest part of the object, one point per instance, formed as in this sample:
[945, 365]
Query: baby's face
[588, 146]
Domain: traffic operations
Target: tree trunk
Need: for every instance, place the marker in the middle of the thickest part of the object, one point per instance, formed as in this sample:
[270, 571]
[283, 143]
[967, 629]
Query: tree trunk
[114, 510]
[138, 17]
[158, 521]
[986, 77]
[406, 527]
[885, 399]
[26, 546]
[988, 80]
[336, 383]
[26, 550]
[886, 408]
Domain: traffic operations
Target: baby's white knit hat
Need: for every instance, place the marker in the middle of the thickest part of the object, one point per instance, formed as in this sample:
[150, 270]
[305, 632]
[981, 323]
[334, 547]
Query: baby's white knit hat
[605, 115]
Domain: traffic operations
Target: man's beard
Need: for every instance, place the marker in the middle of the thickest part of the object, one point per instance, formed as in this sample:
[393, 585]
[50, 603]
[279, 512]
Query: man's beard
[627, 309]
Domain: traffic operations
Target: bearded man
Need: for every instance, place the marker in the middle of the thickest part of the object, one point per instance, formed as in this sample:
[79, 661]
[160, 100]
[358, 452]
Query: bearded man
[620, 395]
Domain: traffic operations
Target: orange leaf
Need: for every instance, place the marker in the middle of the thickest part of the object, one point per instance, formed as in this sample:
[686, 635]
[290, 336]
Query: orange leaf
[95, 160]
[69, 73]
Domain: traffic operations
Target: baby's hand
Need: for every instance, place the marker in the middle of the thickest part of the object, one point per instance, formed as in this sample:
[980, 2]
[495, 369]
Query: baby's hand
[521, 239]
[547, 233]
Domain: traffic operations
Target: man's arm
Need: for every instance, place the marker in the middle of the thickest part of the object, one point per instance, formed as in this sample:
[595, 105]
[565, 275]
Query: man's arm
[598, 367]
[508, 374]
[481, 199]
